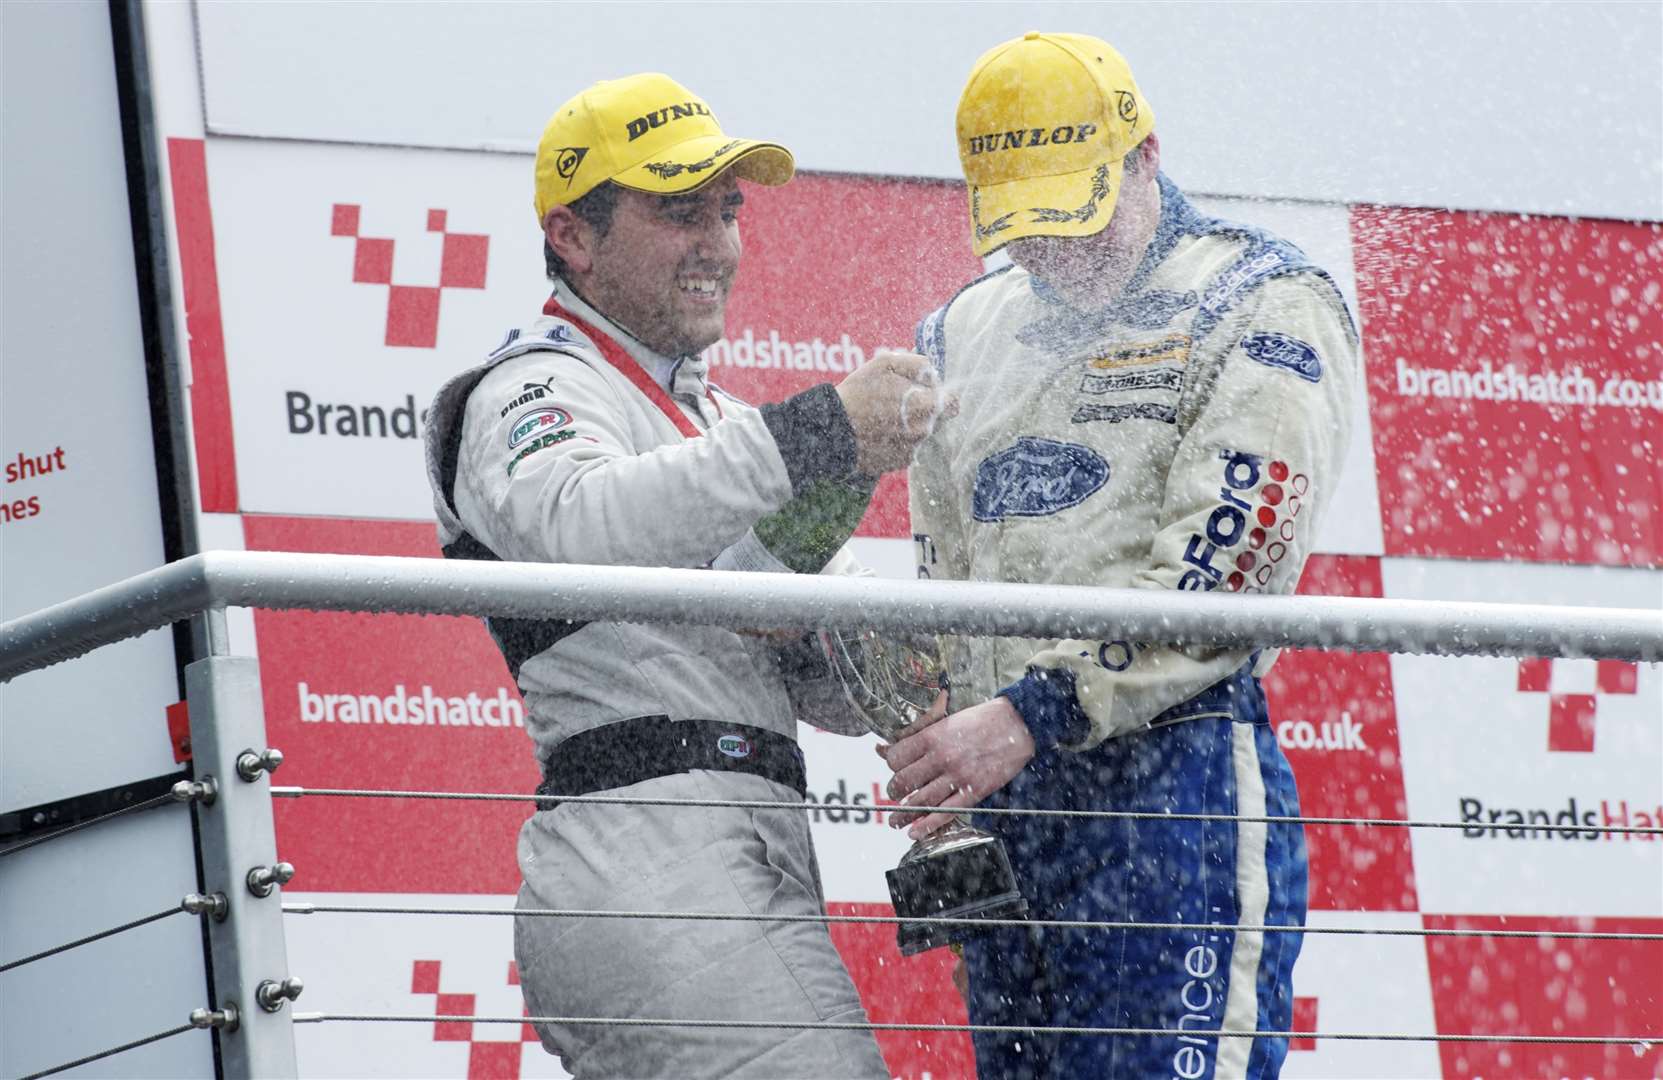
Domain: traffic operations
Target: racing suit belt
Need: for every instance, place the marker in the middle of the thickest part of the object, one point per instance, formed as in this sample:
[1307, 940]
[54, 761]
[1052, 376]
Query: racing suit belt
[646, 747]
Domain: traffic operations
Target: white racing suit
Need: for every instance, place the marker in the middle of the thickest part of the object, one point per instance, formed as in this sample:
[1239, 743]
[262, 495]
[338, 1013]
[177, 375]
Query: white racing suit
[565, 448]
[1187, 437]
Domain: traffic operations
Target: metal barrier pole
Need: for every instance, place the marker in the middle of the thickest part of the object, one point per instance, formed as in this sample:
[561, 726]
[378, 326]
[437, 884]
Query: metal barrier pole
[240, 868]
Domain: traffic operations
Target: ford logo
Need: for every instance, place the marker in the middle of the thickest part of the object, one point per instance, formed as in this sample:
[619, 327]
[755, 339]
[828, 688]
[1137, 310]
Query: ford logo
[1036, 477]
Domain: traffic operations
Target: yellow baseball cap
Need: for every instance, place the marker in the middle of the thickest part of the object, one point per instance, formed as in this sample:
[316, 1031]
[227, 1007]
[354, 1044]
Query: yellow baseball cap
[1043, 125]
[649, 133]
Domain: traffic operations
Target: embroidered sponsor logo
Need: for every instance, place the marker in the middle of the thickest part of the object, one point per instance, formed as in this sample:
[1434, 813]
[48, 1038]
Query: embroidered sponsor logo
[1267, 528]
[734, 746]
[1159, 379]
[1035, 478]
[664, 170]
[1133, 410]
[539, 443]
[1222, 291]
[566, 162]
[1023, 138]
[531, 392]
[536, 422]
[1173, 349]
[1282, 351]
[659, 117]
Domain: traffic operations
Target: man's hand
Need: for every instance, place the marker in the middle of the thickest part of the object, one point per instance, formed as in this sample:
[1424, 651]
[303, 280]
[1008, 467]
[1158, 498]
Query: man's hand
[956, 760]
[893, 403]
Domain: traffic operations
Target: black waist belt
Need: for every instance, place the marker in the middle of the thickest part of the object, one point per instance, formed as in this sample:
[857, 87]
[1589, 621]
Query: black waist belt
[646, 747]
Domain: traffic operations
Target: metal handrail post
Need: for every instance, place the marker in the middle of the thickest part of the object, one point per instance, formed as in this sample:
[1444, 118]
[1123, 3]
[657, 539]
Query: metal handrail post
[239, 864]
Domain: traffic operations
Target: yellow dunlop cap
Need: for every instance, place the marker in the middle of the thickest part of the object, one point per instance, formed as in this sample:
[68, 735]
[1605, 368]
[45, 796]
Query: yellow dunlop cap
[1043, 125]
[646, 132]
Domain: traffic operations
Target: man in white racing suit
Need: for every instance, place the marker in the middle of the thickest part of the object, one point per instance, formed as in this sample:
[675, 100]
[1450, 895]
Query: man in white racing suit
[592, 435]
[1149, 398]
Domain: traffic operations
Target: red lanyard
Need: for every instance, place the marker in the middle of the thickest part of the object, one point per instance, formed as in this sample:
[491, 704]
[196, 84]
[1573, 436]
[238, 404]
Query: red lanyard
[629, 369]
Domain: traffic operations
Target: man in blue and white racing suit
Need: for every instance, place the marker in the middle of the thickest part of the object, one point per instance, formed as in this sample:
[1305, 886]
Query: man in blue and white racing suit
[1149, 398]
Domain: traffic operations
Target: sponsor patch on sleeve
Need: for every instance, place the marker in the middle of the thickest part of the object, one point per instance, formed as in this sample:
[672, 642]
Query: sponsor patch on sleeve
[539, 442]
[1251, 529]
[1281, 351]
[537, 422]
[529, 393]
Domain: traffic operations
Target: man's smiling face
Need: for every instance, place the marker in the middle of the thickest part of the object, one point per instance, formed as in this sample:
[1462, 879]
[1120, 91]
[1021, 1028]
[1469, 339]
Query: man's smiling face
[664, 268]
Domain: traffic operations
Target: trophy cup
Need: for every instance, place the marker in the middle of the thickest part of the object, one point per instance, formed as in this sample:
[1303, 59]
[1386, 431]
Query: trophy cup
[958, 871]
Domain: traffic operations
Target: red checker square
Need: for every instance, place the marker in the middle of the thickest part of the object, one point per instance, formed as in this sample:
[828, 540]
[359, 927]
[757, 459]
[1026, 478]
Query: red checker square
[1304, 1019]
[436, 221]
[1618, 677]
[413, 316]
[1535, 675]
[454, 1030]
[1571, 723]
[372, 262]
[913, 990]
[424, 977]
[462, 265]
[494, 1061]
[344, 220]
[1556, 989]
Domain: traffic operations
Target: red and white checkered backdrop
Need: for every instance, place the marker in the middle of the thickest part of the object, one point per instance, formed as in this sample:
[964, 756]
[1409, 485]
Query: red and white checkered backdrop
[1507, 451]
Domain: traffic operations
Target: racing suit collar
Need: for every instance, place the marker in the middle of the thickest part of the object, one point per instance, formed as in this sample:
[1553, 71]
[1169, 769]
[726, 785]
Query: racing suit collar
[667, 371]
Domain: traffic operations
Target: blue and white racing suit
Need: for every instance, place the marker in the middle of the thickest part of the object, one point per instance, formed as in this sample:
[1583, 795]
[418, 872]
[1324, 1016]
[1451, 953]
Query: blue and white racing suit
[1187, 437]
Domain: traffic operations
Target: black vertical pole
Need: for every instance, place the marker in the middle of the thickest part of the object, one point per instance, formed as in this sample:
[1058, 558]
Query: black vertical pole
[164, 373]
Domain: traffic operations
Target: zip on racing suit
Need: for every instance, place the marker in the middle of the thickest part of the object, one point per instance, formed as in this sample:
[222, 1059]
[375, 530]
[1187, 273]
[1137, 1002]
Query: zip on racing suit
[573, 442]
[1187, 437]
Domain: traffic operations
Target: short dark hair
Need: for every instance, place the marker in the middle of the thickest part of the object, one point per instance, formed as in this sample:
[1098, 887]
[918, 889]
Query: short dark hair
[595, 209]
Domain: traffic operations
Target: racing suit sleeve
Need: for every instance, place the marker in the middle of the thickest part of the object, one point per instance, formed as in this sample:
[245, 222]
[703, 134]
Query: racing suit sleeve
[1254, 470]
[561, 477]
[806, 536]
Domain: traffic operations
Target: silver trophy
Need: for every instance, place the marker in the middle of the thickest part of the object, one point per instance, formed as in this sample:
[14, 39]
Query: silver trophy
[957, 871]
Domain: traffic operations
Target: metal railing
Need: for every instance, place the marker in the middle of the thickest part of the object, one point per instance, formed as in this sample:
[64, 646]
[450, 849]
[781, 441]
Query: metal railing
[233, 794]
[757, 601]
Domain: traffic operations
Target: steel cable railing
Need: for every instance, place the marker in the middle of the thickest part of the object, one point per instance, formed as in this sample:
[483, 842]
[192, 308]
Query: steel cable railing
[938, 920]
[213, 581]
[289, 792]
[1640, 1043]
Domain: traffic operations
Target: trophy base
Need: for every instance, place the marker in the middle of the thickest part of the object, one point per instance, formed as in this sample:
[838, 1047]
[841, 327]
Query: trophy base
[957, 873]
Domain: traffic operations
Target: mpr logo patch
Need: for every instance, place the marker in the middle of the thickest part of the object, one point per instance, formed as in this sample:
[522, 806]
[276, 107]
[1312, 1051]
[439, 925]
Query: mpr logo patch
[535, 423]
[734, 746]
